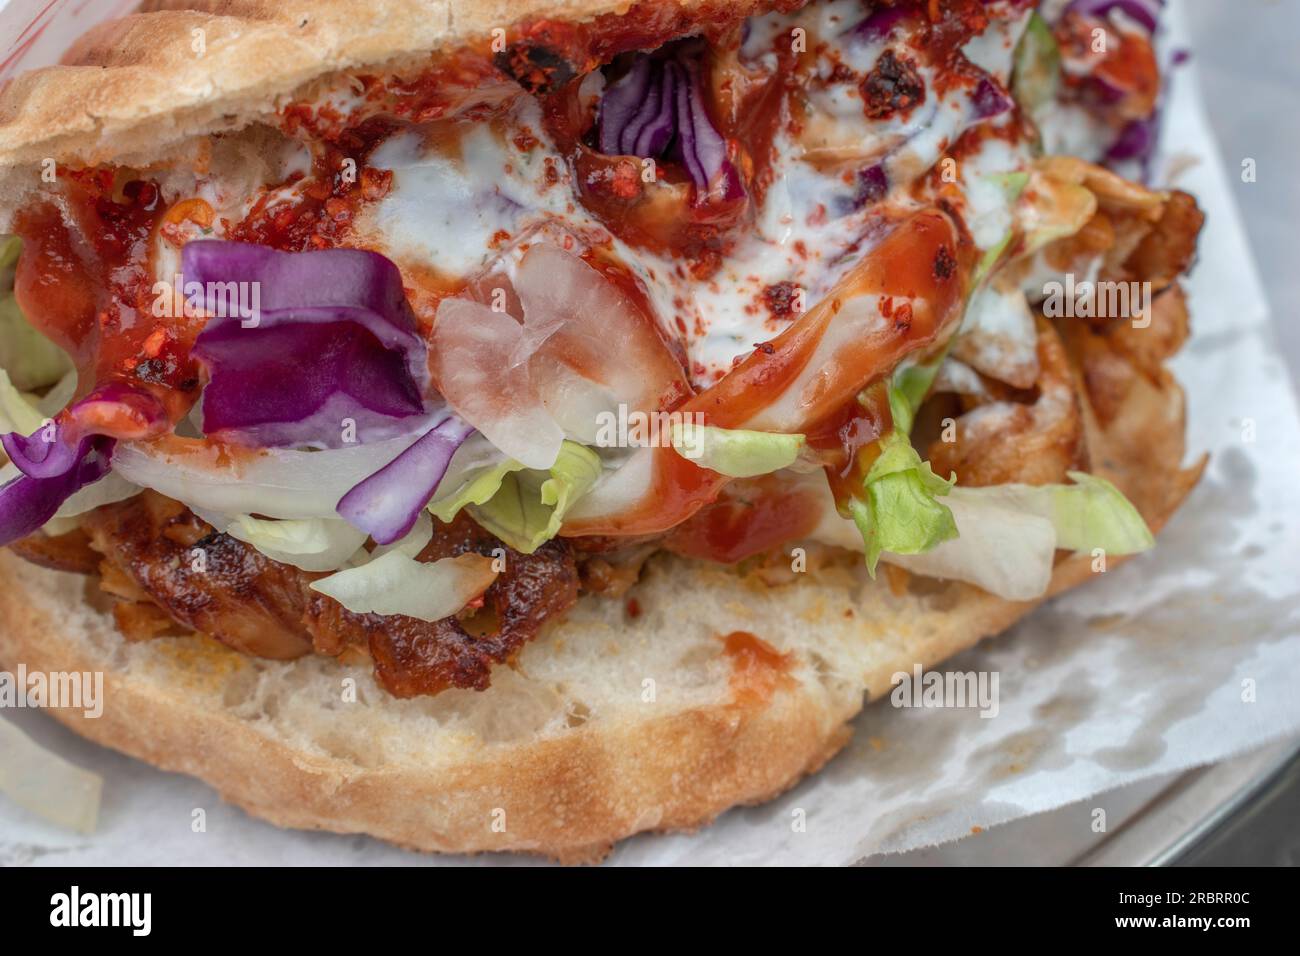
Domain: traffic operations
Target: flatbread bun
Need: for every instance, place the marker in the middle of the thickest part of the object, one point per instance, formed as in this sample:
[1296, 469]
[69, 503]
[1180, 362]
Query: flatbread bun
[613, 722]
[138, 88]
[644, 713]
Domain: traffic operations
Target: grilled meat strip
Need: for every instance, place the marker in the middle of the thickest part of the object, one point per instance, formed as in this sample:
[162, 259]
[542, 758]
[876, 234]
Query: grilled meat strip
[414, 657]
[65, 552]
[210, 582]
[205, 580]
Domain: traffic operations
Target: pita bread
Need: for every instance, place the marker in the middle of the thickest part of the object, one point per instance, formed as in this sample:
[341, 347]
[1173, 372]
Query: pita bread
[609, 724]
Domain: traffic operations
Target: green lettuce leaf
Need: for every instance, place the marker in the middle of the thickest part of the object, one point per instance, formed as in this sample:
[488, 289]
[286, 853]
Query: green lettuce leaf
[525, 507]
[1012, 183]
[313, 544]
[898, 509]
[1004, 551]
[10, 247]
[477, 489]
[1013, 186]
[1008, 535]
[31, 360]
[736, 452]
[1036, 74]
[18, 411]
[1089, 514]
[908, 389]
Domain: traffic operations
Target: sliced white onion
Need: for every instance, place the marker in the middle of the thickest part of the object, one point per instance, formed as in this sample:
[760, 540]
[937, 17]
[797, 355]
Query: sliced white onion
[1004, 551]
[276, 483]
[580, 349]
[396, 584]
[618, 489]
[45, 783]
[108, 490]
[58, 397]
[471, 362]
[593, 328]
[577, 404]
[413, 542]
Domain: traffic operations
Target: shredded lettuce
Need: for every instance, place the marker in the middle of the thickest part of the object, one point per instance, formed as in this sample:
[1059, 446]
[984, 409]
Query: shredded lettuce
[898, 509]
[1008, 535]
[10, 247]
[908, 389]
[412, 543]
[736, 452]
[313, 544]
[1087, 515]
[397, 584]
[1004, 551]
[1036, 76]
[477, 488]
[31, 360]
[524, 507]
[18, 411]
[1013, 186]
[1012, 183]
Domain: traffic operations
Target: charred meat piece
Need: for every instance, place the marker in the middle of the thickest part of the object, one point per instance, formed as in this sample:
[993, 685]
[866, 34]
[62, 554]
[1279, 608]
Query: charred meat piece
[1037, 443]
[206, 581]
[415, 657]
[535, 67]
[155, 549]
[892, 86]
[64, 552]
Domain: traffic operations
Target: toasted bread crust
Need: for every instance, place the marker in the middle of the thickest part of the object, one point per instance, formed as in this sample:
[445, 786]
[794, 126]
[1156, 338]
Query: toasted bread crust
[138, 90]
[569, 798]
[569, 795]
[134, 91]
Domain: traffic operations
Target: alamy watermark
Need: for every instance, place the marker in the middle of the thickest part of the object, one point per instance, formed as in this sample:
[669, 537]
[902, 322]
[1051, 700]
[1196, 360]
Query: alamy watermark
[1098, 300]
[74, 908]
[76, 690]
[946, 689]
[626, 428]
[221, 300]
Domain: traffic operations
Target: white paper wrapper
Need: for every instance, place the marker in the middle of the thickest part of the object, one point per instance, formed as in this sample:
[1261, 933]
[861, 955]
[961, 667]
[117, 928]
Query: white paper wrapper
[1141, 672]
